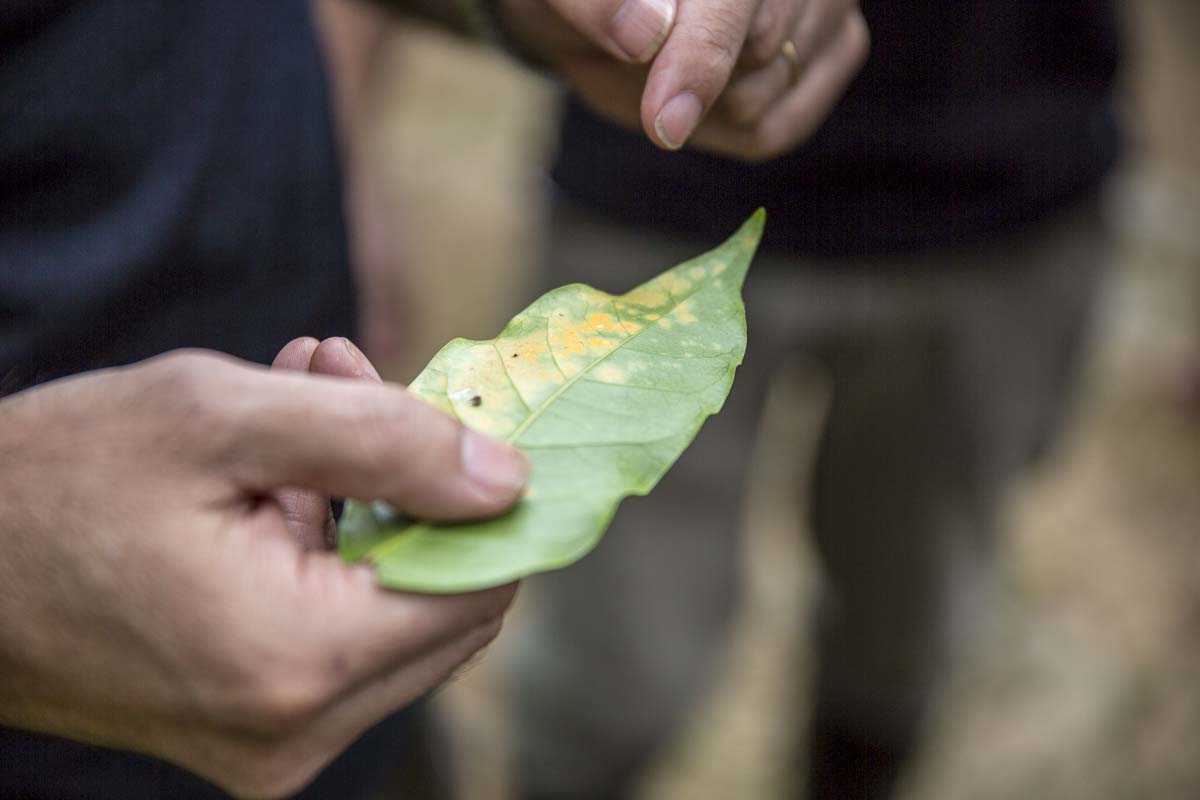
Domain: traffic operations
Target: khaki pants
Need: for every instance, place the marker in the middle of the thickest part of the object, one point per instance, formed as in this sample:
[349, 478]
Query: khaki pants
[949, 371]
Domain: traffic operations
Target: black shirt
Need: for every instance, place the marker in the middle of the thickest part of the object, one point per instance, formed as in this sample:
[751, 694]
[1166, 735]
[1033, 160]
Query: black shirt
[168, 178]
[969, 119]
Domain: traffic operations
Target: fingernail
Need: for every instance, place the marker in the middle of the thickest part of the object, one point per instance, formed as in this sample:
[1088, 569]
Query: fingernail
[360, 358]
[640, 27]
[493, 464]
[677, 119]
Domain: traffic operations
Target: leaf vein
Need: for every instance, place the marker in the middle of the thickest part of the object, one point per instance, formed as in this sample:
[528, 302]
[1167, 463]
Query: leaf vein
[550, 350]
[508, 375]
[535, 413]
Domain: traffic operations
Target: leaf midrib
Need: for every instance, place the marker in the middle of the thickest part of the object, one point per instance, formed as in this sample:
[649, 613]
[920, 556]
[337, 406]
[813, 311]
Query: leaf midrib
[535, 414]
[387, 546]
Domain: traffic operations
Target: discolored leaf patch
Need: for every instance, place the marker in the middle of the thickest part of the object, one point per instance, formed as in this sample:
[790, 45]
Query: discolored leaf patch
[602, 392]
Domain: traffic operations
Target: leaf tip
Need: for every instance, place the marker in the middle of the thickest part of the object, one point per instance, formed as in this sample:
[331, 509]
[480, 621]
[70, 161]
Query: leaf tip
[753, 227]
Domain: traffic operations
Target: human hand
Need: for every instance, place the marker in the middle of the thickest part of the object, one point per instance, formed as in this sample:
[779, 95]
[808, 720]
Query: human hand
[164, 582]
[666, 64]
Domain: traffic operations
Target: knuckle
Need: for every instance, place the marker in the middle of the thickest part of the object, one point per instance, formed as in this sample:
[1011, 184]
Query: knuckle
[186, 386]
[180, 375]
[721, 46]
[761, 51]
[282, 706]
[268, 696]
[766, 37]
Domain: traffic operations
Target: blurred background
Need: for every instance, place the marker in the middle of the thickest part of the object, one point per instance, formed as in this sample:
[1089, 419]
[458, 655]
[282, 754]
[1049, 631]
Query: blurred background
[1089, 684]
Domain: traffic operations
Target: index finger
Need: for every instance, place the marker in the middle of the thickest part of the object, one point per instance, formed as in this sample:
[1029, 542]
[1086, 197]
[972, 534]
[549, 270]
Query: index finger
[693, 66]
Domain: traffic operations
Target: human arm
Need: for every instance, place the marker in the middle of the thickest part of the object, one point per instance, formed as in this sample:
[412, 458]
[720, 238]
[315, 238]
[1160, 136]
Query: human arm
[164, 587]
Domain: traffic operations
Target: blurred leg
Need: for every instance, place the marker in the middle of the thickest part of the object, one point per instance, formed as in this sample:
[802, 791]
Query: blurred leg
[620, 644]
[892, 525]
[930, 420]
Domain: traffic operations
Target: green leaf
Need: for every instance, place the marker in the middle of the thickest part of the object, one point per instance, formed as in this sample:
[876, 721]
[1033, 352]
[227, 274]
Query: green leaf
[602, 392]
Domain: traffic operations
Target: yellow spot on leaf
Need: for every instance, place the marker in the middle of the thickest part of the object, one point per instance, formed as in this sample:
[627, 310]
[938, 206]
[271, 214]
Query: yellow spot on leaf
[528, 350]
[602, 323]
[697, 273]
[719, 268]
[652, 317]
[568, 340]
[610, 373]
[675, 284]
[648, 297]
[683, 312]
[664, 323]
[599, 343]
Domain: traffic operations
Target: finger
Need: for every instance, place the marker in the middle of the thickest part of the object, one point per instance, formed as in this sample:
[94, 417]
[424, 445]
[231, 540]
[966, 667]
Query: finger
[341, 358]
[775, 22]
[821, 22]
[345, 634]
[364, 631]
[296, 355]
[794, 118]
[306, 513]
[693, 66]
[630, 30]
[309, 512]
[345, 717]
[358, 439]
[752, 94]
[401, 630]
[371, 701]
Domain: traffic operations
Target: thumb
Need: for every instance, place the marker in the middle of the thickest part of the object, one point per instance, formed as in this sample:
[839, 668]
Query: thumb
[630, 30]
[355, 438]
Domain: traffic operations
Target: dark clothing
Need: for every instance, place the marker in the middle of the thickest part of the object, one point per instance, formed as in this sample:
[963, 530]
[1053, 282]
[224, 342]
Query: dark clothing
[970, 118]
[48, 768]
[168, 178]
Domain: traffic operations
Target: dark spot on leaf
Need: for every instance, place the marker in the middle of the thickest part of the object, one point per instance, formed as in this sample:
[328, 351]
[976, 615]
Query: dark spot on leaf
[476, 401]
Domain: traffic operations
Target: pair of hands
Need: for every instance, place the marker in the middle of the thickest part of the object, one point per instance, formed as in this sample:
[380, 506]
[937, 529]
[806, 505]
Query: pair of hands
[167, 584]
[709, 72]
